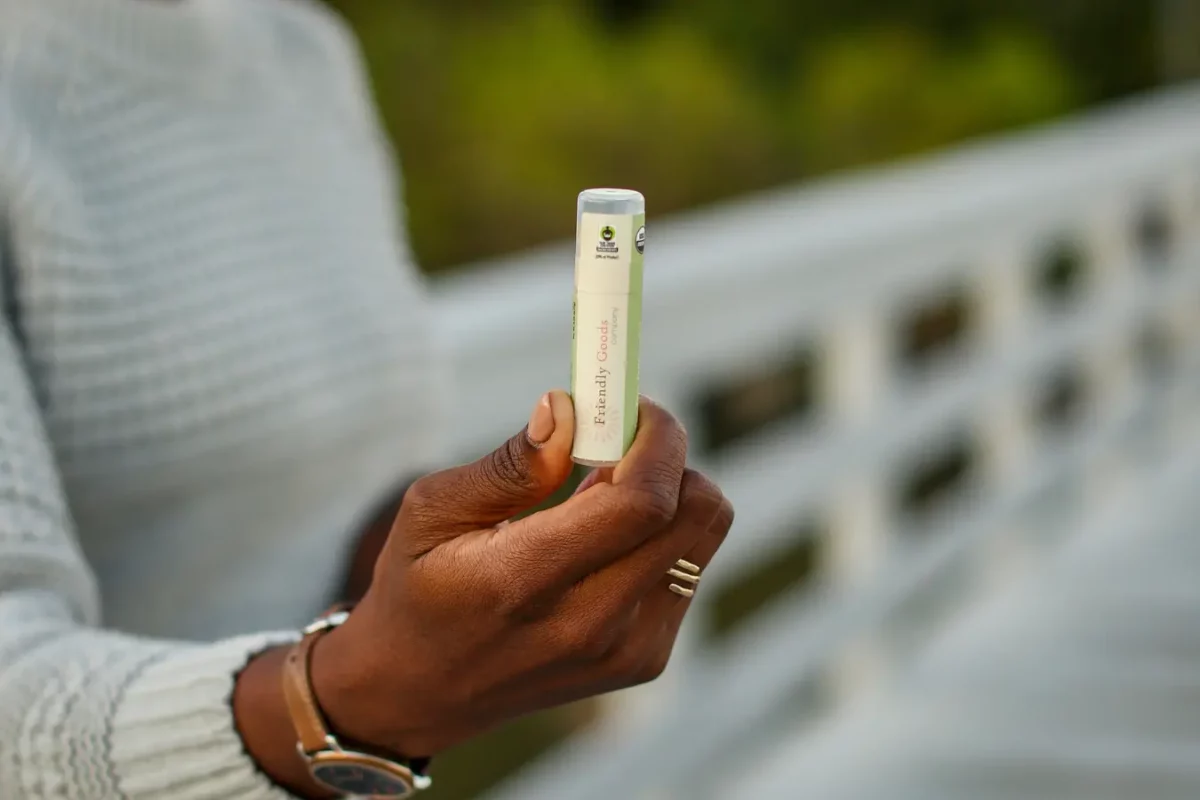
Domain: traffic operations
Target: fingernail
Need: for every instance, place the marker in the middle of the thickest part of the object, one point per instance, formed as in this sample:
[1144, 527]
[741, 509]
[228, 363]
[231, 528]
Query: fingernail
[541, 421]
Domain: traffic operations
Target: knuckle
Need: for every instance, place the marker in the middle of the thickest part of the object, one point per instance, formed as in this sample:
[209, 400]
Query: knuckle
[634, 507]
[627, 663]
[703, 500]
[624, 661]
[698, 491]
[594, 627]
[588, 639]
[418, 494]
[725, 517]
[419, 508]
[657, 414]
[506, 469]
[663, 477]
[679, 436]
[597, 647]
[654, 667]
[636, 663]
[648, 508]
[701, 485]
[492, 596]
[668, 430]
[513, 592]
[509, 597]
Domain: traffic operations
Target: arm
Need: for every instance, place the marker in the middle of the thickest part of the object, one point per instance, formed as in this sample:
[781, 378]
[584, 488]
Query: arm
[87, 714]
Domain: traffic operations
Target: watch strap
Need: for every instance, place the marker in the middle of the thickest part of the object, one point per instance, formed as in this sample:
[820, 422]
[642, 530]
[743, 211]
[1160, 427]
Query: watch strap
[298, 694]
[311, 729]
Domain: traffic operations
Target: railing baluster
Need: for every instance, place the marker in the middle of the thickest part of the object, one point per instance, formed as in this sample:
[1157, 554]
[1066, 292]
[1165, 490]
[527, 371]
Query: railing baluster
[1006, 426]
[856, 380]
[1118, 275]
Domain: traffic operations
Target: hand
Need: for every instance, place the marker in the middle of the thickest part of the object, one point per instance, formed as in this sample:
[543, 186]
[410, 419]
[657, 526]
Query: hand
[471, 620]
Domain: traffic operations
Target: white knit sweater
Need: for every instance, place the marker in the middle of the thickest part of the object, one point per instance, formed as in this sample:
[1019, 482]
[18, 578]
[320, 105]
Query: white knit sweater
[214, 359]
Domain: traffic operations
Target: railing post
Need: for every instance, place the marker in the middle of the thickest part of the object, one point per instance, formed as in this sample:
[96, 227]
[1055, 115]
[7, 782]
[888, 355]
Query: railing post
[856, 378]
[1006, 427]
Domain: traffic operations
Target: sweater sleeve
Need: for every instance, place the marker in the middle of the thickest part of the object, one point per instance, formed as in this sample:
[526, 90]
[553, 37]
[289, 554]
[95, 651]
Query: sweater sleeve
[89, 714]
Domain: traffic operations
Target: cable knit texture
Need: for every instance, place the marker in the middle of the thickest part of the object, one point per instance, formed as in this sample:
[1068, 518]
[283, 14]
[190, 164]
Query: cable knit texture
[214, 361]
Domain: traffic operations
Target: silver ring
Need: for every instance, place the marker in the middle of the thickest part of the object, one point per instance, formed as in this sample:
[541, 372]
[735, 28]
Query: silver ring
[689, 573]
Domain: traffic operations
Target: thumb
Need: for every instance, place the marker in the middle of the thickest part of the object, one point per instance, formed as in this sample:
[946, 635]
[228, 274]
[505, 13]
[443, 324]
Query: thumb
[521, 473]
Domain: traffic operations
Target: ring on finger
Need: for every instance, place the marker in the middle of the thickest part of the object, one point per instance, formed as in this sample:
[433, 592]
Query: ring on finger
[687, 572]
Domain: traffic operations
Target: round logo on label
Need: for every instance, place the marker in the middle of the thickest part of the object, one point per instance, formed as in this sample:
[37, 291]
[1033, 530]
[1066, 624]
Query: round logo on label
[640, 241]
[607, 233]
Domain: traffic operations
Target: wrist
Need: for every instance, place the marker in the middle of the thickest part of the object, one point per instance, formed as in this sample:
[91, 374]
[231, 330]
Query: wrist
[357, 694]
[261, 717]
[352, 767]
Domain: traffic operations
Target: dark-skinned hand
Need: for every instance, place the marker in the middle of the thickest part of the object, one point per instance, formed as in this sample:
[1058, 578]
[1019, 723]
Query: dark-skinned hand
[472, 620]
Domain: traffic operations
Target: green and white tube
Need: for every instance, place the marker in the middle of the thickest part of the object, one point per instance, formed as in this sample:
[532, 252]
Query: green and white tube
[609, 243]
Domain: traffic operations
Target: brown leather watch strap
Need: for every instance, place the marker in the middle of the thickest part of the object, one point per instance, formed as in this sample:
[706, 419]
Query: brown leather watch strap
[311, 730]
[297, 692]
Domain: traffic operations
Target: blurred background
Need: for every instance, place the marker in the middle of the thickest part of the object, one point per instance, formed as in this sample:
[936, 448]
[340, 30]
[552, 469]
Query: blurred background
[502, 110]
[904, 222]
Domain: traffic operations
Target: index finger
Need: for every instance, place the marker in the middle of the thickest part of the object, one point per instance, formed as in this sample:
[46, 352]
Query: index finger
[658, 456]
[562, 545]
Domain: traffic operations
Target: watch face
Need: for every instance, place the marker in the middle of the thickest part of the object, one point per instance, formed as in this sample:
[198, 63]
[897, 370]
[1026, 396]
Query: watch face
[359, 776]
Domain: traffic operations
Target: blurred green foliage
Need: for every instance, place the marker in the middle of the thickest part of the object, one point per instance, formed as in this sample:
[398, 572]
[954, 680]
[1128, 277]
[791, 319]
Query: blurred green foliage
[503, 110]
[885, 92]
[1107, 46]
[502, 119]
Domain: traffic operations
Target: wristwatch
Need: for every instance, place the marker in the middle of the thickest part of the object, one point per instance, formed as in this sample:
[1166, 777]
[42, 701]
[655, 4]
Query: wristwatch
[350, 770]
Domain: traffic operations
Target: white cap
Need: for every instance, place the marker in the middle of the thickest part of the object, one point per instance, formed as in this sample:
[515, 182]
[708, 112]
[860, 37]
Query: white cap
[611, 201]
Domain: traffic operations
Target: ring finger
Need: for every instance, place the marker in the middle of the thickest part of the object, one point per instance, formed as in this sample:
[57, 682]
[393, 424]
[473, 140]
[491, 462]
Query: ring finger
[660, 614]
[671, 606]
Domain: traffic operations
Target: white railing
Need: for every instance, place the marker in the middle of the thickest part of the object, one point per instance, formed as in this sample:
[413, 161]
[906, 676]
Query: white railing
[736, 290]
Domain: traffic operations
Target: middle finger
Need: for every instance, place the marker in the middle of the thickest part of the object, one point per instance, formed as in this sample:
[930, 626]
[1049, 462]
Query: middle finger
[625, 582]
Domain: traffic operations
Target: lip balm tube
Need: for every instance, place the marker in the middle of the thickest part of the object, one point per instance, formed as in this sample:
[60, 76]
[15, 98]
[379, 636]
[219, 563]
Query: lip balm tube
[609, 242]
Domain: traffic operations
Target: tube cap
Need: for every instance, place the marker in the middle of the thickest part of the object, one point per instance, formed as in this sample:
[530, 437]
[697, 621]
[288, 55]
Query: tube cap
[611, 201]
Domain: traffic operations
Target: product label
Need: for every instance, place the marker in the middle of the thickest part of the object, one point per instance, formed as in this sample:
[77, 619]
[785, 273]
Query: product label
[607, 334]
